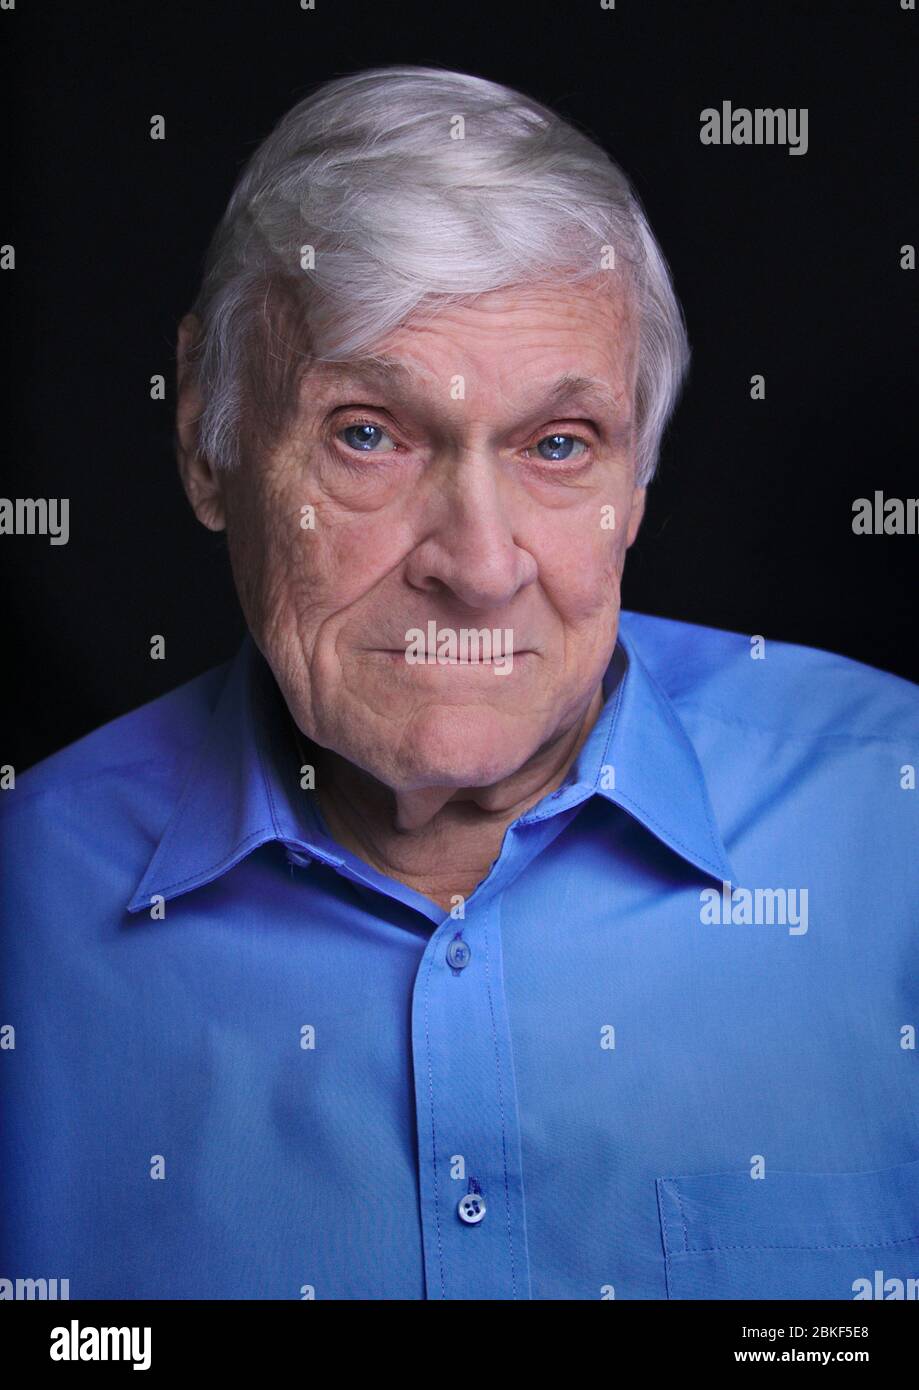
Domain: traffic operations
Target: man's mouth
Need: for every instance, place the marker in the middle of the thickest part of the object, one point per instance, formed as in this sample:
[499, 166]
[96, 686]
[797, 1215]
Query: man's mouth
[429, 656]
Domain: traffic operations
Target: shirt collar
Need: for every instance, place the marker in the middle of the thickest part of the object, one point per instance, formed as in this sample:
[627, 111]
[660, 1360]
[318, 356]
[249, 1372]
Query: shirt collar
[640, 747]
[243, 789]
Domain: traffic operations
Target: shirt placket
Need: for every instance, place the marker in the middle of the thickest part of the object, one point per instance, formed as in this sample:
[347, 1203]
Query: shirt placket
[470, 1169]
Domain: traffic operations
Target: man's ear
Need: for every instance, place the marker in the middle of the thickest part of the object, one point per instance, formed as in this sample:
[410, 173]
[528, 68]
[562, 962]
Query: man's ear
[636, 514]
[202, 483]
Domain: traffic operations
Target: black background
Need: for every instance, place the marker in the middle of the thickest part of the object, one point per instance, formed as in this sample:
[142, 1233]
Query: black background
[786, 266]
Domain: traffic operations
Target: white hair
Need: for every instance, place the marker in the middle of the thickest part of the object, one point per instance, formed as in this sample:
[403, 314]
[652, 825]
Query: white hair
[403, 218]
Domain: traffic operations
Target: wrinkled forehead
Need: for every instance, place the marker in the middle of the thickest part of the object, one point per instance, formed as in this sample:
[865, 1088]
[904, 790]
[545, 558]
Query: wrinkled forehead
[389, 378]
[549, 352]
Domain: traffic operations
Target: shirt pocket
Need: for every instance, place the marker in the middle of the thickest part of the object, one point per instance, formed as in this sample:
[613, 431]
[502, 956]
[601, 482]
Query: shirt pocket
[792, 1235]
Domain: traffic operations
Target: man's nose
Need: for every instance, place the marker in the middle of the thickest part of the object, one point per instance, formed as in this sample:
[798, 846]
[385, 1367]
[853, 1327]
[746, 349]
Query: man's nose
[468, 545]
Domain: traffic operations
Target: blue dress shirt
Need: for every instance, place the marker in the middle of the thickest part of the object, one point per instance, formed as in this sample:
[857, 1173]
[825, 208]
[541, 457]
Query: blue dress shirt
[666, 1049]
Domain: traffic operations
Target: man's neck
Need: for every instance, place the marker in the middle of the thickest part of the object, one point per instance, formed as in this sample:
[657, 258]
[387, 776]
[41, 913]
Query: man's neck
[440, 841]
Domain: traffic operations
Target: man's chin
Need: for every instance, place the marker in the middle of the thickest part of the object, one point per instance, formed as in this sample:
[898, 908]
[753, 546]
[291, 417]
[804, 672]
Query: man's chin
[465, 748]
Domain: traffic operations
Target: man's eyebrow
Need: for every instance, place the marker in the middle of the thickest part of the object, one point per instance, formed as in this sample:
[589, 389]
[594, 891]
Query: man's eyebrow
[569, 387]
[592, 390]
[380, 368]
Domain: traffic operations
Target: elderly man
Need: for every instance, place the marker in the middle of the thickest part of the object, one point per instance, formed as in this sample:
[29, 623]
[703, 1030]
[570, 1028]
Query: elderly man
[464, 937]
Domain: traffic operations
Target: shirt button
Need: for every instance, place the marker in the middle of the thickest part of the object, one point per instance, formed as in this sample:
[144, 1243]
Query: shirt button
[458, 954]
[472, 1208]
[301, 861]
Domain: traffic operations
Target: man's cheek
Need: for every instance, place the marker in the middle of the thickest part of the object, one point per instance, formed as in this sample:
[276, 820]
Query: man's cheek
[352, 554]
[586, 572]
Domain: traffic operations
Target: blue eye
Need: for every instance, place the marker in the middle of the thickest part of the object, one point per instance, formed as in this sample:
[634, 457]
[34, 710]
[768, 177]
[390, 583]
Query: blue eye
[365, 437]
[559, 447]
